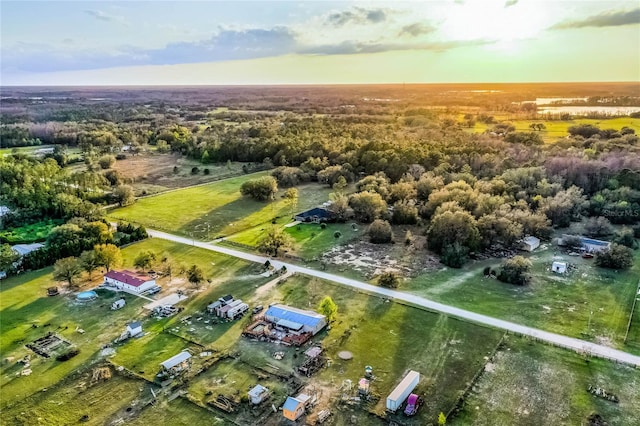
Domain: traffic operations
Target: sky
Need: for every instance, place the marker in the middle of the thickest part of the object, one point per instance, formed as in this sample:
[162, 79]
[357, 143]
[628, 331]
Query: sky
[317, 42]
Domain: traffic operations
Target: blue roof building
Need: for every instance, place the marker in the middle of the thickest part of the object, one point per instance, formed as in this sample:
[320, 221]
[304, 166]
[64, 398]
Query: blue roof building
[295, 319]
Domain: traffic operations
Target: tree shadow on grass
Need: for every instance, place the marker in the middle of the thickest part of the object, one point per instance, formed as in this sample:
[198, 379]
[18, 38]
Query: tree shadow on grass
[226, 219]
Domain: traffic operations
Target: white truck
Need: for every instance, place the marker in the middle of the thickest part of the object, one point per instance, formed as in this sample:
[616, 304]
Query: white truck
[118, 304]
[402, 391]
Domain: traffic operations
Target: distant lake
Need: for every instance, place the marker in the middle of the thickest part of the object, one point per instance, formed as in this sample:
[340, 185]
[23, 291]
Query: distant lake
[549, 101]
[578, 110]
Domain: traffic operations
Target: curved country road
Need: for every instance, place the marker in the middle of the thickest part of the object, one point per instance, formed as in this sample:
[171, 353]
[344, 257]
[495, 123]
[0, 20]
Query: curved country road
[555, 339]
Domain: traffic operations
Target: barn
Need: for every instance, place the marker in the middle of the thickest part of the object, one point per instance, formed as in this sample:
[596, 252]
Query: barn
[295, 320]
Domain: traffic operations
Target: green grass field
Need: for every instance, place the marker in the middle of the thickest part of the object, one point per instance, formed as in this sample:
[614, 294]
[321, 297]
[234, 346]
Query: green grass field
[558, 129]
[75, 397]
[390, 337]
[29, 233]
[28, 314]
[531, 384]
[560, 304]
[178, 412]
[310, 240]
[216, 209]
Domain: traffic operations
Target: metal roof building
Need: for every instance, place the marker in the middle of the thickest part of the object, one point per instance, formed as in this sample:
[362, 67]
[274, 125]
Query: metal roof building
[295, 319]
[176, 361]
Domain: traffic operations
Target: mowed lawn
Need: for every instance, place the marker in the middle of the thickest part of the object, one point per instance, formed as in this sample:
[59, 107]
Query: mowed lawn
[28, 314]
[216, 209]
[530, 384]
[556, 129]
[557, 303]
[310, 239]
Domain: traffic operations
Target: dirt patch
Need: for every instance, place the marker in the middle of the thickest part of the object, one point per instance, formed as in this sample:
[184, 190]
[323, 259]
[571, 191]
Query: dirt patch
[152, 172]
[373, 259]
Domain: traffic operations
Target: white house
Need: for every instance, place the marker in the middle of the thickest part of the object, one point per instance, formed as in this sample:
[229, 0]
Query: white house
[134, 328]
[559, 267]
[258, 394]
[295, 320]
[129, 281]
[530, 243]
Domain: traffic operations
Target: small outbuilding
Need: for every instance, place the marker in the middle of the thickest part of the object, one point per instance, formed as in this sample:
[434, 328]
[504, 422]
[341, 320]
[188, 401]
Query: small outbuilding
[530, 243]
[559, 267]
[177, 363]
[134, 328]
[293, 408]
[118, 304]
[258, 394]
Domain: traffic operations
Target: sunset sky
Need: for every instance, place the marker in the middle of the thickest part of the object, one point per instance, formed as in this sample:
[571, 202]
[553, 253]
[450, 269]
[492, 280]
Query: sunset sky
[267, 42]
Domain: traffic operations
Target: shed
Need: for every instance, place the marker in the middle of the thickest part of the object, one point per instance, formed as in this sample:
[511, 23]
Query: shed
[177, 362]
[211, 308]
[313, 351]
[530, 243]
[559, 267]
[134, 328]
[258, 394]
[293, 408]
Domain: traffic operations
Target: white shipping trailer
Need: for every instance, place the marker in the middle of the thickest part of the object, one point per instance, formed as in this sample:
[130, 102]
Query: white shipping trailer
[237, 310]
[402, 391]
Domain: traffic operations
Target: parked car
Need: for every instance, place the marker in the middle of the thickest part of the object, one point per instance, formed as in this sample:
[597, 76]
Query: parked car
[153, 290]
[257, 309]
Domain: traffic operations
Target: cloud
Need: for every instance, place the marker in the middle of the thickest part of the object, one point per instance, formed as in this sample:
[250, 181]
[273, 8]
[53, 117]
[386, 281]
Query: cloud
[225, 45]
[358, 16]
[416, 29]
[510, 3]
[607, 19]
[229, 45]
[106, 17]
[352, 47]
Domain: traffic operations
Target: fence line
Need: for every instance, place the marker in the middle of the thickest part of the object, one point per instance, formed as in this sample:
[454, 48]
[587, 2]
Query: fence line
[633, 309]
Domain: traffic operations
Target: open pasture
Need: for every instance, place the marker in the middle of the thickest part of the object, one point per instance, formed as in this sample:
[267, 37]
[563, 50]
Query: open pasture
[217, 209]
[532, 384]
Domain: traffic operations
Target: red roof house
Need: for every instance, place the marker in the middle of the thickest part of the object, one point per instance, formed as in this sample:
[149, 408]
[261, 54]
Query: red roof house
[129, 281]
